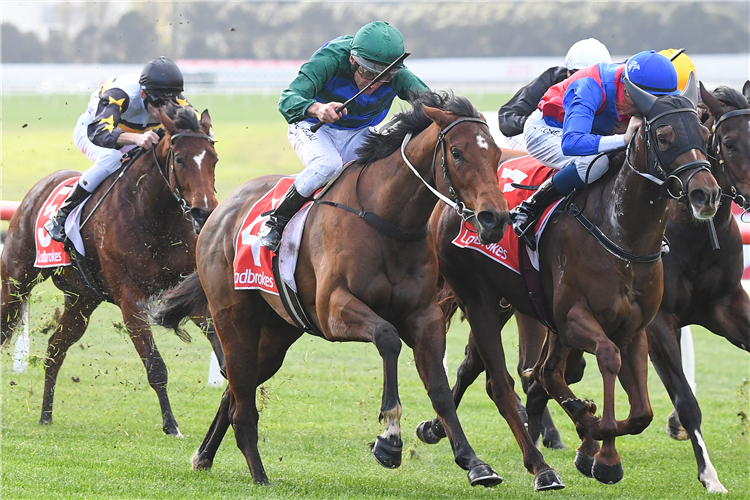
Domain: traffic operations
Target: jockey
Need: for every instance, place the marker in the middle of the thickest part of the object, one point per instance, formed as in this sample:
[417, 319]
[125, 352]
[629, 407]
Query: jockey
[122, 114]
[333, 75]
[513, 114]
[573, 123]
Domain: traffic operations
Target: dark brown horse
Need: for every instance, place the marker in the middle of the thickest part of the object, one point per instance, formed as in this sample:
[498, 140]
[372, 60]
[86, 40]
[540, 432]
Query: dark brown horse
[702, 286]
[139, 241]
[599, 298]
[355, 283]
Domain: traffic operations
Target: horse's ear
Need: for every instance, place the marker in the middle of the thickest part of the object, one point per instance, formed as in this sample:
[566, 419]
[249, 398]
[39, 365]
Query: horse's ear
[691, 90]
[746, 90]
[438, 116]
[715, 107]
[643, 100]
[205, 121]
[167, 122]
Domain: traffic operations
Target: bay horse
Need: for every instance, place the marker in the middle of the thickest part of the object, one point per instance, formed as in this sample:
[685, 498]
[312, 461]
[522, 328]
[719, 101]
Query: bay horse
[139, 241]
[702, 286]
[598, 298]
[355, 282]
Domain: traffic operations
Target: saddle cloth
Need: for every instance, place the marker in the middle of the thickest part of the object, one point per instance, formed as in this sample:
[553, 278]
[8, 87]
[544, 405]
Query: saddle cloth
[253, 269]
[523, 171]
[51, 253]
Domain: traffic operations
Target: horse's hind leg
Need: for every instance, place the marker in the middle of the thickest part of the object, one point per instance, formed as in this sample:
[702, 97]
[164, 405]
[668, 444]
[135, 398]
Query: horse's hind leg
[72, 326]
[17, 281]
[156, 369]
[664, 350]
[432, 431]
[273, 348]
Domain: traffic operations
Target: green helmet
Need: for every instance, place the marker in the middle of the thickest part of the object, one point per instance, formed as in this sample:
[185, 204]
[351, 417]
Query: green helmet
[376, 45]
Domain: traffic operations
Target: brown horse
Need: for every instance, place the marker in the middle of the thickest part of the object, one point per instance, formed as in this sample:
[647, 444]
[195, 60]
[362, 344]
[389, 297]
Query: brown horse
[702, 286]
[600, 292]
[355, 282]
[139, 241]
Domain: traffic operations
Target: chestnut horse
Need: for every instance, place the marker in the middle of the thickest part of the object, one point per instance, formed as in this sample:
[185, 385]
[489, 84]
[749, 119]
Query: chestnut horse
[139, 241]
[355, 282]
[702, 286]
[599, 298]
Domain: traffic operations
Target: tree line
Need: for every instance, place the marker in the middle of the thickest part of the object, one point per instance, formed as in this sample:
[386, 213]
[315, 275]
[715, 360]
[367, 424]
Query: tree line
[289, 30]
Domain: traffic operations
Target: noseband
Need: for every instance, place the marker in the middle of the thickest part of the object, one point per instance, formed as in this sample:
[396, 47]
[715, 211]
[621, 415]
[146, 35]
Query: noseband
[456, 203]
[175, 189]
[656, 170]
[715, 146]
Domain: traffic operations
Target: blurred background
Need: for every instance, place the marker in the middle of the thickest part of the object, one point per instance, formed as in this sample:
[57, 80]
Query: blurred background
[249, 46]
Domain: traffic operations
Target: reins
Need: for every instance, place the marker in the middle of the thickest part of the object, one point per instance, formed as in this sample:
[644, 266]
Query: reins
[393, 231]
[715, 146]
[169, 167]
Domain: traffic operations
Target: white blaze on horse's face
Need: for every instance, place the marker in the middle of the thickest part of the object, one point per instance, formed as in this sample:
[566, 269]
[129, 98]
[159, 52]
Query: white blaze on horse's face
[199, 159]
[482, 142]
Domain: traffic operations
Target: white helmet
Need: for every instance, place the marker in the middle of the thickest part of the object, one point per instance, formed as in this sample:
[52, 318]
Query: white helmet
[585, 53]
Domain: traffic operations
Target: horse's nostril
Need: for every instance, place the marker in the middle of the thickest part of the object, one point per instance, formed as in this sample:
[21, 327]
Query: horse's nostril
[488, 219]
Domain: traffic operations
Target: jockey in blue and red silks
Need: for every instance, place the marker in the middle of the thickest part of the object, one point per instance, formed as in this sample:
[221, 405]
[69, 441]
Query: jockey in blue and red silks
[574, 122]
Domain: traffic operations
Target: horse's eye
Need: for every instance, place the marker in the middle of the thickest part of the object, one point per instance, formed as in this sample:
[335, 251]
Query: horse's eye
[179, 162]
[728, 144]
[663, 140]
[456, 154]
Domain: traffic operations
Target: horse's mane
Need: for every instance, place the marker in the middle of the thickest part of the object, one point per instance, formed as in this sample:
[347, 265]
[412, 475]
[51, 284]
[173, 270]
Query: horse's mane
[185, 118]
[377, 147]
[731, 97]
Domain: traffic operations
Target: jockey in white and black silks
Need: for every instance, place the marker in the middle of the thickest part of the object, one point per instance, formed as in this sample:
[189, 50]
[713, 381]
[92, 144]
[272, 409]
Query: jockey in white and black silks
[122, 114]
[574, 122]
[332, 76]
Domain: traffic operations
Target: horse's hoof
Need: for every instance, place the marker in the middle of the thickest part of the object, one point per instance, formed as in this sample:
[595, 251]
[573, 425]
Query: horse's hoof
[199, 463]
[174, 431]
[484, 475]
[388, 455]
[607, 474]
[675, 430]
[430, 431]
[584, 463]
[548, 480]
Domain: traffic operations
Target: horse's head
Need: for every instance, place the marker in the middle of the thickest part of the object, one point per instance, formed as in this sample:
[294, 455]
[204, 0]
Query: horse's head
[188, 154]
[671, 148]
[469, 158]
[729, 145]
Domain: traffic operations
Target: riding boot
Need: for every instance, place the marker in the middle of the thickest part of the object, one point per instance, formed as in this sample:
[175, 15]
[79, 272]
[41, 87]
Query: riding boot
[55, 226]
[525, 215]
[270, 233]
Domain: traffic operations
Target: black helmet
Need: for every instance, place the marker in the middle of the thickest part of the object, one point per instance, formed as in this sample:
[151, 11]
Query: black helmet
[161, 77]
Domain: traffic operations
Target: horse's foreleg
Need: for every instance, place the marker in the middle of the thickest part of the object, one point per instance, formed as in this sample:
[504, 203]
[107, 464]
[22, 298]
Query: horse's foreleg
[352, 320]
[531, 335]
[486, 328]
[584, 332]
[664, 350]
[156, 369]
[634, 377]
[203, 458]
[71, 328]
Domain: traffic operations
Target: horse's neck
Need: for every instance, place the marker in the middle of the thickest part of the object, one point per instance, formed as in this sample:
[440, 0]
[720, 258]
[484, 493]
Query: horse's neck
[398, 195]
[635, 212]
[144, 180]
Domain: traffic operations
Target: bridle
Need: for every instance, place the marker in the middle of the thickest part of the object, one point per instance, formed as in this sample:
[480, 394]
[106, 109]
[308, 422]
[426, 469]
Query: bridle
[715, 147]
[174, 186]
[456, 203]
[656, 171]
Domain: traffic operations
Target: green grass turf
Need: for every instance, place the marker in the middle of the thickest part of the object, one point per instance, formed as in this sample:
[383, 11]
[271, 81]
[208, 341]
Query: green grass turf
[320, 411]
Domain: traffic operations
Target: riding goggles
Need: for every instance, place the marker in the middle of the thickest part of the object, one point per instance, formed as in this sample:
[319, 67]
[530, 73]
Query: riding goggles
[369, 70]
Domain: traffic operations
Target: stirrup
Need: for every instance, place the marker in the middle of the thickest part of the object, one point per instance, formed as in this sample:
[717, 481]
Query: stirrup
[55, 229]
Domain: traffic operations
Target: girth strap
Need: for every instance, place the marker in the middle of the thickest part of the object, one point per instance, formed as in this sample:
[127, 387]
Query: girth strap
[380, 224]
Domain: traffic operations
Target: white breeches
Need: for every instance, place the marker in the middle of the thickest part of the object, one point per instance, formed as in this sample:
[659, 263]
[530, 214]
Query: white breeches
[106, 160]
[544, 143]
[323, 153]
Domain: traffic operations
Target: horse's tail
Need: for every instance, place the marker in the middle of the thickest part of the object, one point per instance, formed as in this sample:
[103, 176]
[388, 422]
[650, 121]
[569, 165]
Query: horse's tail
[175, 306]
[447, 301]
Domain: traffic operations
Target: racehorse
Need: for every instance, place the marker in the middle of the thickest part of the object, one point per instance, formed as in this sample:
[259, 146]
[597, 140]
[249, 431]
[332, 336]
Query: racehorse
[139, 239]
[702, 286]
[355, 282]
[597, 293]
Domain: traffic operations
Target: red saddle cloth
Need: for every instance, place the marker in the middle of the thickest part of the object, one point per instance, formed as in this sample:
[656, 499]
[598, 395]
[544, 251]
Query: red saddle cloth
[51, 253]
[524, 171]
[252, 262]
